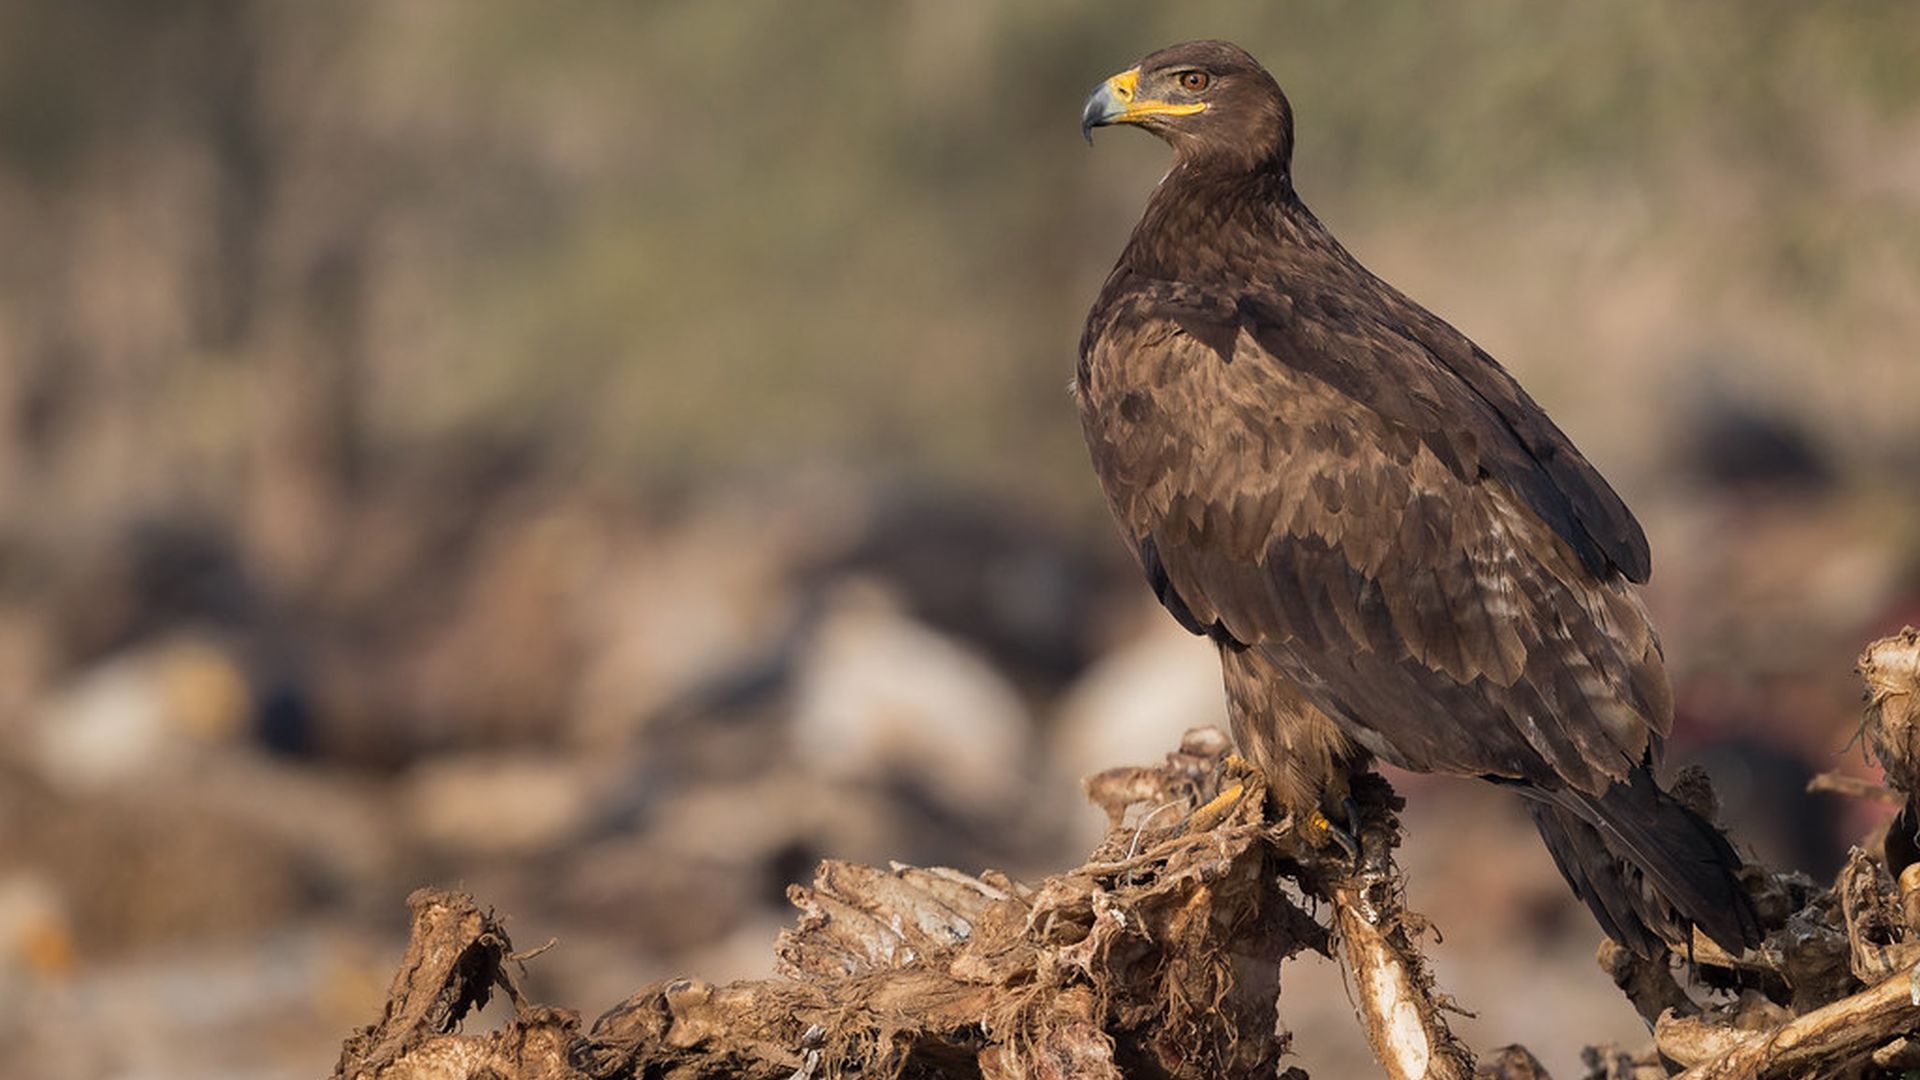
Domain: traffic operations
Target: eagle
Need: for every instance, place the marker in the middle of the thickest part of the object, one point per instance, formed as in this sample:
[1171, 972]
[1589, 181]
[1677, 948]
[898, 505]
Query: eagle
[1397, 553]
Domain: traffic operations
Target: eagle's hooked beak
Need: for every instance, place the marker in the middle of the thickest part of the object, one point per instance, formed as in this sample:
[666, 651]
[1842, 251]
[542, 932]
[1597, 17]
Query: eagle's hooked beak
[1118, 101]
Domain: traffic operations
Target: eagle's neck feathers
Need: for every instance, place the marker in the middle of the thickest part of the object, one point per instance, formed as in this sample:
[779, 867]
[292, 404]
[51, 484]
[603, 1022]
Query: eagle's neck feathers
[1209, 225]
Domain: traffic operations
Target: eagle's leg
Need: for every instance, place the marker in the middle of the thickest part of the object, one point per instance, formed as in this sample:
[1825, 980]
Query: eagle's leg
[1305, 757]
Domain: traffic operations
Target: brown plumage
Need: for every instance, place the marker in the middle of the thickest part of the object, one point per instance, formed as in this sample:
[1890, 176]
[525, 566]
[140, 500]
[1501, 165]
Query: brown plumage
[1398, 553]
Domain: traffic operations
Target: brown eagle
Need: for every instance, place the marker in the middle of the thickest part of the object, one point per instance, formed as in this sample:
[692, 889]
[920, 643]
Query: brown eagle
[1396, 550]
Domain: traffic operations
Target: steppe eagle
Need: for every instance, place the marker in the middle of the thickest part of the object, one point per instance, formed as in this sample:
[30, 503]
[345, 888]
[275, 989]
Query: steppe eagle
[1398, 553]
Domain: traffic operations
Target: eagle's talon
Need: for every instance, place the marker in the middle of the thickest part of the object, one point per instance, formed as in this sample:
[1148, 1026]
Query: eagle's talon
[1322, 828]
[1230, 766]
[1216, 809]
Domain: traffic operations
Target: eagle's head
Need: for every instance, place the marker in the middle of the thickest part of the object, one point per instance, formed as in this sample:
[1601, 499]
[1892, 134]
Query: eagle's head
[1209, 100]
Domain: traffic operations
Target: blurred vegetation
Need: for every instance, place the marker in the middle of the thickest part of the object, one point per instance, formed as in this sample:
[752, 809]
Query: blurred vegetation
[459, 440]
[660, 240]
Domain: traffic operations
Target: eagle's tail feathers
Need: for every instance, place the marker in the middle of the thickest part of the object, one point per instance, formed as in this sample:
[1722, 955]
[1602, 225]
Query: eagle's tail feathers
[1649, 868]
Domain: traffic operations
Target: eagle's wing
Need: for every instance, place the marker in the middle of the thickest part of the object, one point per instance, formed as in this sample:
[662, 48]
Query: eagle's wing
[1352, 487]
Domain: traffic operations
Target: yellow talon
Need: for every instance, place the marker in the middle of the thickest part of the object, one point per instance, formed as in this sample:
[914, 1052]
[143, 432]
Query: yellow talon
[1320, 829]
[1216, 810]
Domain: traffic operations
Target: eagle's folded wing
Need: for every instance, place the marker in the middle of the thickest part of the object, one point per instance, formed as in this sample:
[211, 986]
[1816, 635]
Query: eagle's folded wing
[1312, 478]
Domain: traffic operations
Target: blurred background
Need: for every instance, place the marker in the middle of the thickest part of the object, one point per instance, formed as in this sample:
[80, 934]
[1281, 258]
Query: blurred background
[610, 456]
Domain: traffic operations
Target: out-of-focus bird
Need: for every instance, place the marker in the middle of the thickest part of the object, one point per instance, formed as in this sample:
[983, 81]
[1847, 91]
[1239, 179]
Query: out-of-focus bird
[1398, 553]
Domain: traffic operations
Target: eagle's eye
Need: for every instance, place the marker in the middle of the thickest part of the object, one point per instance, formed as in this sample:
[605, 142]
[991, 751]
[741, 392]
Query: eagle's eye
[1194, 81]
